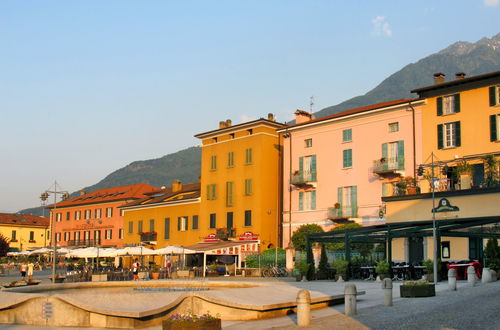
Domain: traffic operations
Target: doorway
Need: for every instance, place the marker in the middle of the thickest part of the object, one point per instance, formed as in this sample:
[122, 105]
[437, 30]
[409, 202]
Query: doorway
[416, 250]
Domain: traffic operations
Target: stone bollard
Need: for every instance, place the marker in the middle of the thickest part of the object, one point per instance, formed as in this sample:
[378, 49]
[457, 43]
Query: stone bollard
[387, 287]
[340, 279]
[303, 308]
[350, 299]
[471, 276]
[486, 277]
[378, 280]
[494, 276]
[452, 279]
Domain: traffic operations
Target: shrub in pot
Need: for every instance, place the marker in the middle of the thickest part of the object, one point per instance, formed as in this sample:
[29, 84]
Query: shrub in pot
[302, 267]
[341, 266]
[383, 269]
[414, 289]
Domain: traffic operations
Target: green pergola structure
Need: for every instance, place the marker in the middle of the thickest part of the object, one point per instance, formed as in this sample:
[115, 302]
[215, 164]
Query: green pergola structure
[477, 227]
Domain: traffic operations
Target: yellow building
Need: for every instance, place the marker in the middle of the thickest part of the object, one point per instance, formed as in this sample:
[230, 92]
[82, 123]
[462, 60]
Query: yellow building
[168, 216]
[240, 180]
[25, 232]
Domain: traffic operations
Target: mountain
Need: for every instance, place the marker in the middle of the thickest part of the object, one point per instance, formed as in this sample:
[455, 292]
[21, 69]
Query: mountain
[184, 165]
[471, 58]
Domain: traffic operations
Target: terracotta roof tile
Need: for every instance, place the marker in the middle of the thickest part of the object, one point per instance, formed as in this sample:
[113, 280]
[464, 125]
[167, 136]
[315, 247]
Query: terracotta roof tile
[23, 220]
[188, 191]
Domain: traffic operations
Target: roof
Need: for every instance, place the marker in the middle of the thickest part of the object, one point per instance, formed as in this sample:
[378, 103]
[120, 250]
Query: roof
[106, 195]
[457, 82]
[355, 111]
[188, 191]
[240, 126]
[23, 220]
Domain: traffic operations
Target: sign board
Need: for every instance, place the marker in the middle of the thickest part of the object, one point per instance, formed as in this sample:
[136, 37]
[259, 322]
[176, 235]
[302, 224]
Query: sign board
[249, 236]
[444, 205]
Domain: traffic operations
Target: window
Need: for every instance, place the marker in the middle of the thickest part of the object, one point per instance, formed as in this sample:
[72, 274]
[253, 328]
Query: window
[182, 223]
[32, 235]
[347, 198]
[166, 234]
[109, 233]
[58, 217]
[195, 222]
[151, 225]
[393, 154]
[248, 156]
[68, 216]
[130, 227]
[213, 163]
[448, 105]
[494, 128]
[248, 187]
[98, 213]
[213, 221]
[87, 235]
[347, 158]
[109, 212]
[307, 200]
[87, 214]
[347, 135]
[229, 220]
[494, 96]
[387, 189]
[120, 233]
[97, 236]
[13, 236]
[393, 127]
[211, 191]
[77, 236]
[78, 215]
[122, 212]
[230, 159]
[248, 218]
[445, 250]
[229, 193]
[58, 237]
[307, 168]
[139, 226]
[449, 135]
[308, 143]
[67, 236]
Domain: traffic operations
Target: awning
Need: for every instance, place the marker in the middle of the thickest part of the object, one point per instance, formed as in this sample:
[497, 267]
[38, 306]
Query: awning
[226, 247]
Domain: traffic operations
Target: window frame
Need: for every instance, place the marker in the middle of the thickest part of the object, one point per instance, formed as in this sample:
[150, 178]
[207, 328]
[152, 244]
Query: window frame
[347, 160]
[347, 135]
[308, 143]
[392, 125]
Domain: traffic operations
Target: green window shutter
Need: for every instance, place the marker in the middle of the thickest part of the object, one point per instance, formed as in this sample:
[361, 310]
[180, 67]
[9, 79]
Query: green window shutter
[493, 98]
[301, 200]
[458, 140]
[178, 223]
[249, 156]
[493, 128]
[301, 168]
[339, 200]
[347, 155]
[229, 193]
[313, 168]
[354, 201]
[313, 200]
[385, 165]
[214, 191]
[209, 193]
[401, 155]
[195, 222]
[439, 106]
[440, 136]
[456, 102]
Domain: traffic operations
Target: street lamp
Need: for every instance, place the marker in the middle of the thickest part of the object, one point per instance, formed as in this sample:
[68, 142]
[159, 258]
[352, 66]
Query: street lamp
[420, 171]
[45, 195]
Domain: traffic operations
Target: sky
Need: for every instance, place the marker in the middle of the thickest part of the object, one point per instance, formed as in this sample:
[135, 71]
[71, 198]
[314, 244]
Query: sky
[87, 87]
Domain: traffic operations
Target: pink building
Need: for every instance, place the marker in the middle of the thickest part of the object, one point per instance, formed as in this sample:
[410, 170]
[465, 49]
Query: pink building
[337, 168]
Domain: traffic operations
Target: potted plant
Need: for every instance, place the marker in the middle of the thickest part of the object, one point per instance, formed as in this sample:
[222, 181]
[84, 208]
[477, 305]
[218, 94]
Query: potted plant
[155, 272]
[414, 289]
[302, 267]
[464, 171]
[429, 269]
[383, 269]
[341, 266]
[192, 321]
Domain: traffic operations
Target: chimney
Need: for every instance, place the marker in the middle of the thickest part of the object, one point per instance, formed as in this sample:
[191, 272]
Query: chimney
[271, 117]
[459, 75]
[302, 116]
[439, 78]
[82, 192]
[222, 124]
[176, 185]
[229, 123]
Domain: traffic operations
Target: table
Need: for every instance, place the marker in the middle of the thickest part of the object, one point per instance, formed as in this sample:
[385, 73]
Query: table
[369, 271]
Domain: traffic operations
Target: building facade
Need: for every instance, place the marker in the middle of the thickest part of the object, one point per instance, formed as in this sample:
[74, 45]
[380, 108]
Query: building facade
[94, 219]
[24, 232]
[337, 168]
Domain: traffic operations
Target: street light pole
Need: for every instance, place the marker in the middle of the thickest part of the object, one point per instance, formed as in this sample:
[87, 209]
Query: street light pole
[45, 195]
[434, 234]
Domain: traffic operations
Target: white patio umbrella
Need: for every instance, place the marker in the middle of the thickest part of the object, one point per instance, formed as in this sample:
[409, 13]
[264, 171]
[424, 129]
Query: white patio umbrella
[41, 251]
[173, 249]
[136, 251]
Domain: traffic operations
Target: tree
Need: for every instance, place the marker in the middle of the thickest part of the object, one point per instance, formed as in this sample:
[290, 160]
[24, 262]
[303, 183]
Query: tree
[4, 246]
[323, 267]
[299, 236]
[363, 248]
[492, 254]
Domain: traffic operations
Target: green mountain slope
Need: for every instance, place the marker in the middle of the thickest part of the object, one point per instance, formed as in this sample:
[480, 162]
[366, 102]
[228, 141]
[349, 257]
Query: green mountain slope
[471, 58]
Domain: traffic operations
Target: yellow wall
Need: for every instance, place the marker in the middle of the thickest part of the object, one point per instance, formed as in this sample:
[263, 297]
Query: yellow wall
[159, 213]
[474, 114]
[23, 237]
[264, 172]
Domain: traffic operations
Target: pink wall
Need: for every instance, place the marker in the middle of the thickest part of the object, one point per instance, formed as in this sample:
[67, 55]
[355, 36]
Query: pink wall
[369, 131]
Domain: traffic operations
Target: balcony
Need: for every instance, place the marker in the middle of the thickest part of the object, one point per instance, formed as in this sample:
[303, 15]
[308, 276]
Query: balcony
[84, 242]
[389, 166]
[341, 214]
[149, 237]
[224, 234]
[303, 179]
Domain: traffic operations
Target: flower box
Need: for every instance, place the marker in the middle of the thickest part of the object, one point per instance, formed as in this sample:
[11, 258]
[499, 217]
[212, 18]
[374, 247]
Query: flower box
[417, 290]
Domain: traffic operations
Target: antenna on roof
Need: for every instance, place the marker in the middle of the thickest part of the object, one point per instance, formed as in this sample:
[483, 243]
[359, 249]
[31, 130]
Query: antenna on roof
[311, 103]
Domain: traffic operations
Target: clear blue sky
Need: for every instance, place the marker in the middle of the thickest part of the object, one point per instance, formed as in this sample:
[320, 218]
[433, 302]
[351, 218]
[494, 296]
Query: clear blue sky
[87, 87]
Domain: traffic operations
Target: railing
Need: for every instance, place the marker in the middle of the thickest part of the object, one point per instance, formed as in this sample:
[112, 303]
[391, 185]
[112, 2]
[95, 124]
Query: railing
[148, 237]
[342, 212]
[304, 177]
[224, 233]
[84, 242]
[385, 165]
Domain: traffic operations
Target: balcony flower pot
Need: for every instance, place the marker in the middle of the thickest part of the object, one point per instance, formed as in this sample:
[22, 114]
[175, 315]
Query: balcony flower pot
[190, 321]
[415, 289]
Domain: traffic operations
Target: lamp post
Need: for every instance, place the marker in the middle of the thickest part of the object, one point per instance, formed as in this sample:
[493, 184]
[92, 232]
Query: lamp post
[45, 195]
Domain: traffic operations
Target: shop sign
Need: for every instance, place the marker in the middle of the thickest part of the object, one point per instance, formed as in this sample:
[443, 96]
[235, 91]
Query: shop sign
[249, 236]
[211, 238]
[444, 205]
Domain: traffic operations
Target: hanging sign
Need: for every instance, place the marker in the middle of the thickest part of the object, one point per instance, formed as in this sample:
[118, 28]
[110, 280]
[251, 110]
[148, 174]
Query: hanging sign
[211, 238]
[249, 236]
[444, 205]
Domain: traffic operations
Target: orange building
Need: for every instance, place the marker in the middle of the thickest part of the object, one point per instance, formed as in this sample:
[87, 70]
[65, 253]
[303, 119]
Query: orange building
[94, 219]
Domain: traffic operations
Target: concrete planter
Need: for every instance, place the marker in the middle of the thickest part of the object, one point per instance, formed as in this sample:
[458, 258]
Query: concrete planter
[414, 291]
[199, 325]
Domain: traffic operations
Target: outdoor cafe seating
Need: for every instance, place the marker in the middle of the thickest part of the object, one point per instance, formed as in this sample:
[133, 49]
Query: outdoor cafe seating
[461, 268]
